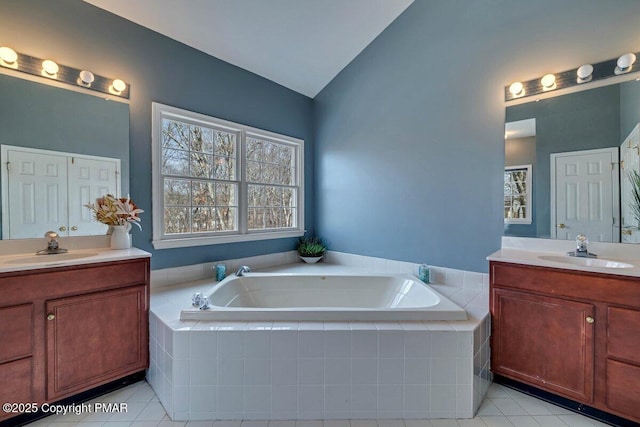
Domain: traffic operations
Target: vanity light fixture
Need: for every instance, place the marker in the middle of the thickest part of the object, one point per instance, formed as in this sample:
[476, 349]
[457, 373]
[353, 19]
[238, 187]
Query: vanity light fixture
[10, 59]
[117, 86]
[516, 89]
[85, 78]
[584, 73]
[625, 63]
[50, 68]
[578, 76]
[548, 82]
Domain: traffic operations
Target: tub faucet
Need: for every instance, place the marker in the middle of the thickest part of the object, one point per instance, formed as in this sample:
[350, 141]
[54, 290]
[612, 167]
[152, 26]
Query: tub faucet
[243, 269]
[581, 248]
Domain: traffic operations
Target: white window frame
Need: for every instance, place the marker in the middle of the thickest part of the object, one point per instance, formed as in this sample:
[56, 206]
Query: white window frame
[528, 212]
[162, 241]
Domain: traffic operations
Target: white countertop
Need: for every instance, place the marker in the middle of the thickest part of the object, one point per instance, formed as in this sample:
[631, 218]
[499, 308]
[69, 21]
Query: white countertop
[31, 261]
[541, 258]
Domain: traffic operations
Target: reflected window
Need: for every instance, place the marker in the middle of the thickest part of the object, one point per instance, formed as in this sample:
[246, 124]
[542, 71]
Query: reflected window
[517, 194]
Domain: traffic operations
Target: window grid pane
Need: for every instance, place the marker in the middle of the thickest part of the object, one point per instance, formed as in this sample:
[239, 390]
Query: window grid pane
[198, 165]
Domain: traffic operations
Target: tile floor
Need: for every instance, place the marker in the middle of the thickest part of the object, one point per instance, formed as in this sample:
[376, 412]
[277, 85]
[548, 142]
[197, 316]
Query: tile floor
[503, 407]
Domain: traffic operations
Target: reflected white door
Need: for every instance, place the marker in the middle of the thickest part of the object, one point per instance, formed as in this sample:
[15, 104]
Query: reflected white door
[629, 161]
[584, 195]
[88, 180]
[37, 195]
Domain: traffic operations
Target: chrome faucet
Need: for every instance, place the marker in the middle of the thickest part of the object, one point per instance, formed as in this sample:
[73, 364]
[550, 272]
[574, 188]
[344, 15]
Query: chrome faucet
[243, 269]
[581, 248]
[53, 247]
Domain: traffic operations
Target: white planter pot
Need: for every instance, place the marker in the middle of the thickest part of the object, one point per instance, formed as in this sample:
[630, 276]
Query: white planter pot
[311, 259]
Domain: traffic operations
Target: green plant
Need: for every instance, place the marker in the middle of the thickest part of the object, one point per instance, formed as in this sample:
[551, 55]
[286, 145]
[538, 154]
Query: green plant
[311, 246]
[634, 177]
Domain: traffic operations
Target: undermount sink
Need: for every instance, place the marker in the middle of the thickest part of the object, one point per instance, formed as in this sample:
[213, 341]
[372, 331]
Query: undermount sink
[586, 262]
[48, 259]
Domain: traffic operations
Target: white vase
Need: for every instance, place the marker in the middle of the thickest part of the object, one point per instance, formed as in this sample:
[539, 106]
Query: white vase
[120, 238]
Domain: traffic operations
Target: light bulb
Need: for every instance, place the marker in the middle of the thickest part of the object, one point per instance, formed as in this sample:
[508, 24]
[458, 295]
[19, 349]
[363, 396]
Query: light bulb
[86, 77]
[584, 73]
[626, 61]
[516, 89]
[548, 81]
[118, 85]
[50, 68]
[8, 55]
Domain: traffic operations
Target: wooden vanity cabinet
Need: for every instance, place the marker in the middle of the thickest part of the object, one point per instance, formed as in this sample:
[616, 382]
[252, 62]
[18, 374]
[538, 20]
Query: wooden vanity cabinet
[575, 334]
[66, 330]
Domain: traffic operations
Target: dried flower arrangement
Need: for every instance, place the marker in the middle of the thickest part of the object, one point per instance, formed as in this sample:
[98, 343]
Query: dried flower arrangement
[113, 211]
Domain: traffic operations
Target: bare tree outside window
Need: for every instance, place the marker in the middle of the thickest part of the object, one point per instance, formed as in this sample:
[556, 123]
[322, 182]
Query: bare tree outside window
[200, 184]
[215, 181]
[271, 190]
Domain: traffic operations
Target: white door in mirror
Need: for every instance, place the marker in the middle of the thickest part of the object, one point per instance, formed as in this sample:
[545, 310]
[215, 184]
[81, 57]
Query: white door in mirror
[574, 175]
[47, 190]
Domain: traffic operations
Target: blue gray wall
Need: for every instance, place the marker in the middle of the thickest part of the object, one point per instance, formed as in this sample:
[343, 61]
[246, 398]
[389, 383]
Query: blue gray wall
[409, 145]
[408, 149]
[80, 35]
[629, 107]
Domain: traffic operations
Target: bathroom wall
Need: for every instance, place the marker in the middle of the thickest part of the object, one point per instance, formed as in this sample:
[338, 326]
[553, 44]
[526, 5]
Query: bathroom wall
[80, 35]
[409, 143]
[629, 107]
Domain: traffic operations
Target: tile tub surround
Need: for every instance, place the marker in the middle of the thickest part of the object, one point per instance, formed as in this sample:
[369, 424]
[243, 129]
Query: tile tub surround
[322, 370]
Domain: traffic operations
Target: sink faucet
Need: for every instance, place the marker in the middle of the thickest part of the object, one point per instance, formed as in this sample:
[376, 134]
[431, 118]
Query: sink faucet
[243, 269]
[581, 248]
[52, 244]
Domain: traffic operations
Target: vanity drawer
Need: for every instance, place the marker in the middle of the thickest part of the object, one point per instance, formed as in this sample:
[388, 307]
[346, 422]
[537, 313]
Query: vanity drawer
[16, 332]
[15, 378]
[623, 388]
[623, 334]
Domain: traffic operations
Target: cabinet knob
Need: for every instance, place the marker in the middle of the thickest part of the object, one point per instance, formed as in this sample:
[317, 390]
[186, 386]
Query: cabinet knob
[590, 319]
[627, 232]
[63, 228]
[51, 316]
[74, 228]
[560, 225]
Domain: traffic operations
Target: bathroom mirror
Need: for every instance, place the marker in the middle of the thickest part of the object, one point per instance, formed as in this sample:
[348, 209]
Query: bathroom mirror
[69, 125]
[573, 144]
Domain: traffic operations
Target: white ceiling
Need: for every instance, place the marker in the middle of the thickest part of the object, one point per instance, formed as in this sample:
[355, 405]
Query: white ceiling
[300, 44]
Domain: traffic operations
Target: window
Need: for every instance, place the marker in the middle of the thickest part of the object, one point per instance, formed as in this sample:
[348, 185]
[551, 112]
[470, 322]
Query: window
[216, 181]
[517, 194]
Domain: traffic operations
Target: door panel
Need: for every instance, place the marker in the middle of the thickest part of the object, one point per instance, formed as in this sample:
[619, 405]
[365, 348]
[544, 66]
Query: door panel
[545, 341]
[37, 194]
[88, 180]
[584, 186]
[95, 337]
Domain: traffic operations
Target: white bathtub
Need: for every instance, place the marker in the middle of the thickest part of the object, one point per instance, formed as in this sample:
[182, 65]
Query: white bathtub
[339, 297]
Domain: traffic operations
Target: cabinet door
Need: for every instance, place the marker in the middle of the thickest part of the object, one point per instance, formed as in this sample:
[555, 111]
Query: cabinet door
[544, 341]
[94, 338]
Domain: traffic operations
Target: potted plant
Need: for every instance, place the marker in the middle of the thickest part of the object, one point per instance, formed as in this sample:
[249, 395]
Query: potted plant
[311, 249]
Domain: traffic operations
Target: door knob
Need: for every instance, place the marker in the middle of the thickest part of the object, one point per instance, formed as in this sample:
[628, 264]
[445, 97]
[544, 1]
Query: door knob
[51, 316]
[74, 228]
[560, 225]
[590, 319]
[63, 228]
